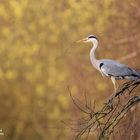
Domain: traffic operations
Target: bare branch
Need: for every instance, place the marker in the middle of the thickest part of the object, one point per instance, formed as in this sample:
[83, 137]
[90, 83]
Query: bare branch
[113, 111]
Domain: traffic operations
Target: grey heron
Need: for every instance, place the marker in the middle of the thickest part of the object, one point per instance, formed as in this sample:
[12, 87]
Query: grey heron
[109, 68]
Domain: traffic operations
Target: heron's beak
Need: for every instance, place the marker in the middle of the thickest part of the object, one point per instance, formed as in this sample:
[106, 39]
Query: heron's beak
[82, 40]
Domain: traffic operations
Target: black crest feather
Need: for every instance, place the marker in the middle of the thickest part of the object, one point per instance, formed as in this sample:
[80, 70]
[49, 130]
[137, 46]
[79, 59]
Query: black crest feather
[92, 36]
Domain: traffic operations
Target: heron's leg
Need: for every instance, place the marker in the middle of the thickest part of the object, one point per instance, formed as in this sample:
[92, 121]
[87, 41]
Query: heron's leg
[110, 103]
[115, 84]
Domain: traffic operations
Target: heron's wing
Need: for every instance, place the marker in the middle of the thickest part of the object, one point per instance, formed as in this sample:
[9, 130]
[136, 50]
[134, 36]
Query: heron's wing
[115, 69]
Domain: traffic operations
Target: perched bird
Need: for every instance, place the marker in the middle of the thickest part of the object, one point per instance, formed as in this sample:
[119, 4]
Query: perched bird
[109, 68]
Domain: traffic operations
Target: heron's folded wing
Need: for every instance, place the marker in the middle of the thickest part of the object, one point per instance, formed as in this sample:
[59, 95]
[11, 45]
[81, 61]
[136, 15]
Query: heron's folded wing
[113, 68]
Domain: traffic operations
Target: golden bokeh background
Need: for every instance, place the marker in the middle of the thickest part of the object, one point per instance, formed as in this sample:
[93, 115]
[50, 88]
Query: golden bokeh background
[39, 60]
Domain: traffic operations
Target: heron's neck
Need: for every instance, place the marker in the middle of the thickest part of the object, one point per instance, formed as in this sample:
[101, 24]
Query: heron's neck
[92, 53]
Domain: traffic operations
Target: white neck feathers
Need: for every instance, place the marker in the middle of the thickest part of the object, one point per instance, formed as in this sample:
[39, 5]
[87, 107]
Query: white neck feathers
[92, 53]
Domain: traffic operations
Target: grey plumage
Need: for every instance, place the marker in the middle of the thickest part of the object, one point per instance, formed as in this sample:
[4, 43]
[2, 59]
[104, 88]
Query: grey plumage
[117, 70]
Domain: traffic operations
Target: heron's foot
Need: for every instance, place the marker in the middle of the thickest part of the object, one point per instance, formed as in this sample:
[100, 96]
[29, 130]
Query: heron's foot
[110, 101]
[109, 104]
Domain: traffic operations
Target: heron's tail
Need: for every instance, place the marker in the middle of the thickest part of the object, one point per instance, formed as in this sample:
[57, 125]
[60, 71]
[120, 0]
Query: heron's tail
[135, 75]
[139, 75]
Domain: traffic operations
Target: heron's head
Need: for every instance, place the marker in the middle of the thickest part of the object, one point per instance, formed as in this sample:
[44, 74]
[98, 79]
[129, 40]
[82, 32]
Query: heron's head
[90, 38]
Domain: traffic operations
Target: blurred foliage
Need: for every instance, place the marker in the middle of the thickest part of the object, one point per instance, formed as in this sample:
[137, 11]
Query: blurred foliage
[39, 59]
